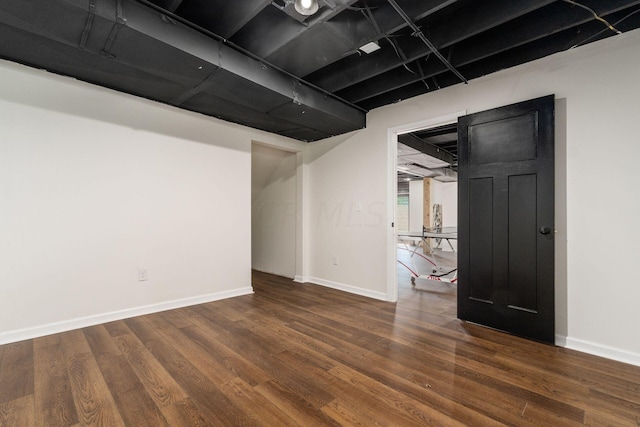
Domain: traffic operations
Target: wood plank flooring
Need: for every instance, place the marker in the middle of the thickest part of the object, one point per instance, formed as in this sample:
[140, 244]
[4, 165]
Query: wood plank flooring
[303, 355]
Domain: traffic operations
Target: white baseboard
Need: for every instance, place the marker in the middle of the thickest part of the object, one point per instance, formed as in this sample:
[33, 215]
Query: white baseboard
[599, 350]
[347, 288]
[275, 273]
[301, 279]
[82, 322]
[68, 325]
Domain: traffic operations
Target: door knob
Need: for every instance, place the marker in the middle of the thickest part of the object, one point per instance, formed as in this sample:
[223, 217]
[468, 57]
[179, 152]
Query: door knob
[545, 230]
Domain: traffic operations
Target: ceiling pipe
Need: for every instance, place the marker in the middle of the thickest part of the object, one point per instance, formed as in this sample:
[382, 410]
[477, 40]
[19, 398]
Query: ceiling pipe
[418, 33]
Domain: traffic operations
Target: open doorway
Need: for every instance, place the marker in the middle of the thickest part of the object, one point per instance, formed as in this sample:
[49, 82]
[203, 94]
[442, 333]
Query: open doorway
[506, 212]
[273, 210]
[424, 188]
[426, 213]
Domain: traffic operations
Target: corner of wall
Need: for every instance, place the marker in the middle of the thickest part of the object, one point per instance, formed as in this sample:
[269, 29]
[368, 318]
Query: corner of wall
[83, 322]
[598, 350]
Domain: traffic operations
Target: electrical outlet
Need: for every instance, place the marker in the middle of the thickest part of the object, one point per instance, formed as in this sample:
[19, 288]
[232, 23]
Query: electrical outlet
[335, 260]
[143, 274]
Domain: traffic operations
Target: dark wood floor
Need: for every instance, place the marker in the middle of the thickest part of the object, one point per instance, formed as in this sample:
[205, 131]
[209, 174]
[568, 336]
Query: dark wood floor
[304, 355]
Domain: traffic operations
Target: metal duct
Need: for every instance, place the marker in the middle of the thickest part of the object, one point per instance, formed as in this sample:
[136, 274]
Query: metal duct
[130, 47]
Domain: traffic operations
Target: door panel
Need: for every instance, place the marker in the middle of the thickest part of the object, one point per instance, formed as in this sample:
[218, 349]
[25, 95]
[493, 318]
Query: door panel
[522, 242]
[481, 240]
[489, 143]
[505, 259]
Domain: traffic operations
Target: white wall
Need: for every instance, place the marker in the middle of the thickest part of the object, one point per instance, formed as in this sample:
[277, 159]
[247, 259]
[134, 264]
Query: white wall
[273, 210]
[342, 174]
[449, 204]
[596, 87]
[416, 205]
[446, 194]
[95, 184]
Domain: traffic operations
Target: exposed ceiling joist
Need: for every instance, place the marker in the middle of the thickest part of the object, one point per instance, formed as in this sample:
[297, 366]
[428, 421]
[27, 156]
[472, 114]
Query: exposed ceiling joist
[266, 35]
[170, 5]
[262, 64]
[476, 18]
[537, 25]
[416, 143]
[520, 54]
[113, 27]
[224, 19]
[417, 32]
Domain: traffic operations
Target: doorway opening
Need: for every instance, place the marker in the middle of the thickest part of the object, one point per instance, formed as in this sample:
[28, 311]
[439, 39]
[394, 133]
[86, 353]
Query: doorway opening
[274, 205]
[417, 155]
[506, 215]
[426, 209]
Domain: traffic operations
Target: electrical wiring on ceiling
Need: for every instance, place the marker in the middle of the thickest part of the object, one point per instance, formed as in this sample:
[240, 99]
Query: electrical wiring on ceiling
[595, 15]
[366, 11]
[606, 29]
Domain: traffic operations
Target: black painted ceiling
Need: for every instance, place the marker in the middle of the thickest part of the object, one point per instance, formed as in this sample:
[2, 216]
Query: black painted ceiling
[261, 64]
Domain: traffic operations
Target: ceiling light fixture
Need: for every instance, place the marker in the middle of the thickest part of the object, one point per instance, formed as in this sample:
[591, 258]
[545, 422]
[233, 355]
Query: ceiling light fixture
[369, 47]
[306, 7]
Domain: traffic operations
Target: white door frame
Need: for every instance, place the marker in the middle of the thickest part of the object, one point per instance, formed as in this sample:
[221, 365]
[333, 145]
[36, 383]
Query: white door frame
[300, 274]
[392, 189]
